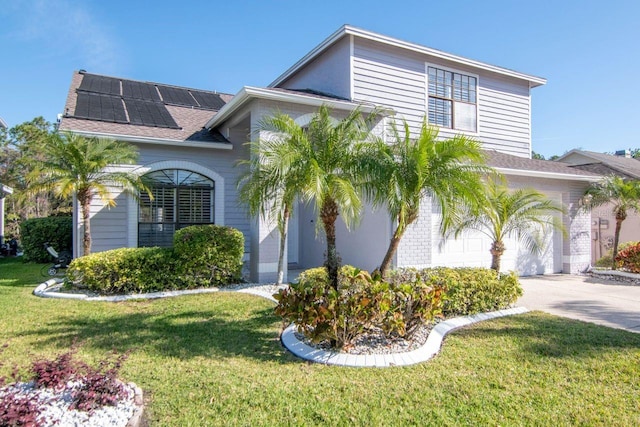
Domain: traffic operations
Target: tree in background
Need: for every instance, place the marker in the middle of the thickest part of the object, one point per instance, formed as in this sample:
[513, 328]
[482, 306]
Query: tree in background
[624, 196]
[74, 165]
[524, 214]
[20, 148]
[412, 168]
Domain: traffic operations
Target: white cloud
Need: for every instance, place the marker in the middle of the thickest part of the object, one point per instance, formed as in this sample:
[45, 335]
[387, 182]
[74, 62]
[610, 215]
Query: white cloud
[66, 28]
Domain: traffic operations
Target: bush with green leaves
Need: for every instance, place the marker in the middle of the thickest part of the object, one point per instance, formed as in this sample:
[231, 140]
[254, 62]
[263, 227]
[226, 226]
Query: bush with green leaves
[35, 232]
[361, 304]
[202, 256]
[208, 255]
[629, 258]
[125, 270]
[467, 290]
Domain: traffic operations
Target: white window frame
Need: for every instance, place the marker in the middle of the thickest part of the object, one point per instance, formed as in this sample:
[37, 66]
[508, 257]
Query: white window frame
[464, 73]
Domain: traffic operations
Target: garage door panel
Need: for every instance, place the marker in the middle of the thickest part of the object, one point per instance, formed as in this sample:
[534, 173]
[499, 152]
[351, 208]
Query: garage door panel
[471, 249]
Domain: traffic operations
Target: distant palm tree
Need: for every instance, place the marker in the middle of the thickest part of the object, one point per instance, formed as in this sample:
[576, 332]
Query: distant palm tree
[75, 165]
[323, 162]
[523, 214]
[624, 196]
[412, 168]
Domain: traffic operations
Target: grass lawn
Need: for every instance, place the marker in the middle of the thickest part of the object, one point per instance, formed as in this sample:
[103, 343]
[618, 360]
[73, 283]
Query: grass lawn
[215, 359]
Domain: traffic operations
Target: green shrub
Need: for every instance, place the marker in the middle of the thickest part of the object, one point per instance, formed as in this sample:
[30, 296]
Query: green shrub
[202, 256]
[466, 290]
[604, 262]
[629, 258]
[126, 270]
[362, 303]
[34, 233]
[208, 255]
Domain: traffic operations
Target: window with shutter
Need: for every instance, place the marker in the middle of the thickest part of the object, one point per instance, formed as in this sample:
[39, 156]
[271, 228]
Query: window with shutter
[180, 198]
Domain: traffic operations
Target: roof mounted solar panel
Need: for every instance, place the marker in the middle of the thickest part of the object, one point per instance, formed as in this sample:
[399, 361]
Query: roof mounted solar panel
[147, 113]
[208, 100]
[139, 90]
[100, 84]
[100, 107]
[177, 96]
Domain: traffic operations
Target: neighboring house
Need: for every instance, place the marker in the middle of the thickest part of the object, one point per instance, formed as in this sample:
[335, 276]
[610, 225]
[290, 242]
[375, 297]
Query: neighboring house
[3, 124]
[189, 141]
[602, 218]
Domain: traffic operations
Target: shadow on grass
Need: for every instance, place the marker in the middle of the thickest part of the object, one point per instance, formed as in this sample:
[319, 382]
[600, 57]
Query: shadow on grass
[16, 273]
[546, 335]
[182, 335]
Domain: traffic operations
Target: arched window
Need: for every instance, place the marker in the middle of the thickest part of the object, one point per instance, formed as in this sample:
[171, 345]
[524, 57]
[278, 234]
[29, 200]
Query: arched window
[180, 198]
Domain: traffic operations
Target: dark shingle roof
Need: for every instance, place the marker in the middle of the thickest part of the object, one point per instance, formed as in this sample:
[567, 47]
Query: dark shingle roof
[508, 161]
[607, 164]
[115, 106]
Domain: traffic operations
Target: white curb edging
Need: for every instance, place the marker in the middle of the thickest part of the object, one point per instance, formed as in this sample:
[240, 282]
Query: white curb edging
[615, 273]
[49, 289]
[422, 354]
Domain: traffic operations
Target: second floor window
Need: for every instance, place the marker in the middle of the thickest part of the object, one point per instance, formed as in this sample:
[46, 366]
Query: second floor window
[452, 100]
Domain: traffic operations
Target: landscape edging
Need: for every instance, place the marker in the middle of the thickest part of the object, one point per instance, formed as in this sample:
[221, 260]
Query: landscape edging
[430, 348]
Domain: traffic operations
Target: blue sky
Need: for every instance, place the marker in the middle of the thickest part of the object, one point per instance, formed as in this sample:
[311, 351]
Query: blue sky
[587, 50]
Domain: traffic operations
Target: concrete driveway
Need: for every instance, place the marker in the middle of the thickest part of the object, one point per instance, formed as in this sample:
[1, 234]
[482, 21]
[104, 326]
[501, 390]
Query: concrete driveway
[595, 300]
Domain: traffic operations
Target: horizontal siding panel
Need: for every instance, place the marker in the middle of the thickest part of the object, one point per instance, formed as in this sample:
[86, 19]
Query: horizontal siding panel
[501, 96]
[504, 87]
[501, 133]
[380, 53]
[386, 92]
[382, 71]
[503, 103]
[494, 110]
[505, 125]
[390, 86]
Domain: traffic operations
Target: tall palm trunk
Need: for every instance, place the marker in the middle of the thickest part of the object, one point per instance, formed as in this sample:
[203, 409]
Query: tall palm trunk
[283, 241]
[497, 249]
[621, 215]
[329, 215]
[84, 198]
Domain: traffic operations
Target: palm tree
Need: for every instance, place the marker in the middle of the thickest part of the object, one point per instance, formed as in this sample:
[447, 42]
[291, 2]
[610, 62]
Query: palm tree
[323, 162]
[75, 165]
[624, 196]
[522, 213]
[268, 187]
[412, 168]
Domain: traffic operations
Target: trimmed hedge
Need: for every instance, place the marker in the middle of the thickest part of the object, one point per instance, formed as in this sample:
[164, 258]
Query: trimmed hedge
[125, 270]
[35, 232]
[467, 290]
[208, 255]
[202, 256]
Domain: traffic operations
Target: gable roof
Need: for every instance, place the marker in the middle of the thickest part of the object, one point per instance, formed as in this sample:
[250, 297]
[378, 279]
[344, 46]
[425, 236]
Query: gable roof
[604, 164]
[522, 166]
[141, 111]
[347, 30]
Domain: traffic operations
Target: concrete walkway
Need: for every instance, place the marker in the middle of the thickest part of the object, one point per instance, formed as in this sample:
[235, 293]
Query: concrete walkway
[595, 300]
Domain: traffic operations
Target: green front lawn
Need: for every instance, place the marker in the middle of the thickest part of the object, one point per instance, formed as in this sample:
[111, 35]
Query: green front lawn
[215, 359]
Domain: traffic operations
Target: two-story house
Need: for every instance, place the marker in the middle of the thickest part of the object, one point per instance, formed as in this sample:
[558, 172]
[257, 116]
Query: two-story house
[189, 141]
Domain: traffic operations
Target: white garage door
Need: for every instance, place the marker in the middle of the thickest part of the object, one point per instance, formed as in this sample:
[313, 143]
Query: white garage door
[472, 250]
